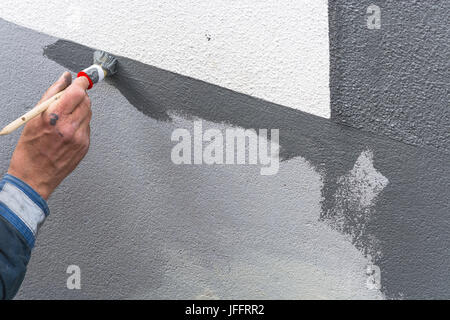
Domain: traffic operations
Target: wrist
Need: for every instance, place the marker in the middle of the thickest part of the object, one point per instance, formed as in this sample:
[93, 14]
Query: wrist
[22, 207]
[39, 187]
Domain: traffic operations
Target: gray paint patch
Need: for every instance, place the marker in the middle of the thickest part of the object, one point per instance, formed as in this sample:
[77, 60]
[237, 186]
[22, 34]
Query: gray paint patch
[334, 150]
[181, 205]
[393, 80]
[139, 226]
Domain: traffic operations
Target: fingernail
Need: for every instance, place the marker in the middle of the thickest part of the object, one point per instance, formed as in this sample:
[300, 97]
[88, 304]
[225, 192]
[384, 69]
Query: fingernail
[66, 77]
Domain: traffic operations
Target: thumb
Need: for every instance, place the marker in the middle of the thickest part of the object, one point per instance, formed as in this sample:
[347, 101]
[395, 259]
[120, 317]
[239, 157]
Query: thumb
[63, 82]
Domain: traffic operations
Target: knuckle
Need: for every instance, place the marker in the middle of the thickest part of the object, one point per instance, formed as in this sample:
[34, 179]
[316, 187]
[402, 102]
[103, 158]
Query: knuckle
[81, 140]
[86, 144]
[77, 143]
[68, 133]
[82, 81]
[77, 93]
[59, 85]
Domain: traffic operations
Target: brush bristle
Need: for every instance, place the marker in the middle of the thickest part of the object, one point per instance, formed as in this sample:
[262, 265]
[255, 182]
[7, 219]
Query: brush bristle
[106, 61]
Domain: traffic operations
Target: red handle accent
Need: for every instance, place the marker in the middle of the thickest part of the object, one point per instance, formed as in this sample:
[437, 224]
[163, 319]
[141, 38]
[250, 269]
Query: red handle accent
[84, 74]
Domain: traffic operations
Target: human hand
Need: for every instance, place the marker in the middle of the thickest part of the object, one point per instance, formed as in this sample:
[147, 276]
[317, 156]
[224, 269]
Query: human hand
[53, 144]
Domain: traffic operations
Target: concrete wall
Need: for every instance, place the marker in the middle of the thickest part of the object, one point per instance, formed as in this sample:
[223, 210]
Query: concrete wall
[350, 214]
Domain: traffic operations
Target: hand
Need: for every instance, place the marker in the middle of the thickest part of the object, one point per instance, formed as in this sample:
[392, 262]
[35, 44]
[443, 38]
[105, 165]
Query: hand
[54, 143]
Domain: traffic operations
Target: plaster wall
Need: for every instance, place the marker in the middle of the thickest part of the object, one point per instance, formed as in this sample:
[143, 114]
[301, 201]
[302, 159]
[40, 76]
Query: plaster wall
[393, 80]
[346, 206]
[139, 226]
[247, 46]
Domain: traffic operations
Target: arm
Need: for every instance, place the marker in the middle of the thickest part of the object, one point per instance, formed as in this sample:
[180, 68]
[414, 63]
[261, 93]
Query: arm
[14, 256]
[49, 149]
[22, 211]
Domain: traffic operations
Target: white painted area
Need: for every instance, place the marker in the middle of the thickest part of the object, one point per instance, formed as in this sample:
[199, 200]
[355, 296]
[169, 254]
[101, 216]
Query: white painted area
[271, 49]
[357, 194]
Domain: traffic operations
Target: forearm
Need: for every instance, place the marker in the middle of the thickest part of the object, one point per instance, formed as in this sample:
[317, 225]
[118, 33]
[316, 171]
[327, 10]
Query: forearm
[22, 212]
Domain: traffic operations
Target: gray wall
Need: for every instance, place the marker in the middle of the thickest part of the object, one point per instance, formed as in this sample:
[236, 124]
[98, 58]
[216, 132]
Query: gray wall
[141, 227]
[393, 80]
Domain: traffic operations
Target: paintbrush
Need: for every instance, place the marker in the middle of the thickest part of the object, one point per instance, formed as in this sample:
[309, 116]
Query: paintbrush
[104, 65]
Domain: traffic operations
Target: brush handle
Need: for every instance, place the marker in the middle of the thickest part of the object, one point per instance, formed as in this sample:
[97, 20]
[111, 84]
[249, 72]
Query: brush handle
[30, 114]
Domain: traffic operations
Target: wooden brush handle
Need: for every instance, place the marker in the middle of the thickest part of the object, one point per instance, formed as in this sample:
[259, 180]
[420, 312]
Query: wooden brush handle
[30, 114]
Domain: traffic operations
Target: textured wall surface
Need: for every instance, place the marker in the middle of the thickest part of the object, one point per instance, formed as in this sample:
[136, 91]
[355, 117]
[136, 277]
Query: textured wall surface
[346, 206]
[393, 80]
[247, 46]
[141, 227]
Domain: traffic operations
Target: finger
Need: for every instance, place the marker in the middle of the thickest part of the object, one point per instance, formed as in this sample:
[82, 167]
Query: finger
[63, 82]
[82, 135]
[82, 82]
[88, 130]
[71, 98]
[85, 127]
[81, 113]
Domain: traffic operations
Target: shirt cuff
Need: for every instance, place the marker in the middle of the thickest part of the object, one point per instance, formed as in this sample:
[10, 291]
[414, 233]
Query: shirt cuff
[23, 207]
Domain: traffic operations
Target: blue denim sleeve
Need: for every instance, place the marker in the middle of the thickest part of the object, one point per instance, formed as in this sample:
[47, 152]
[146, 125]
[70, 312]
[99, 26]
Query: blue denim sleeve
[22, 212]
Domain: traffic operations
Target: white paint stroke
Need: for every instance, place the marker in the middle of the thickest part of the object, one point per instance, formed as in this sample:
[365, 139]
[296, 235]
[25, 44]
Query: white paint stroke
[271, 49]
[254, 247]
[363, 183]
[355, 198]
